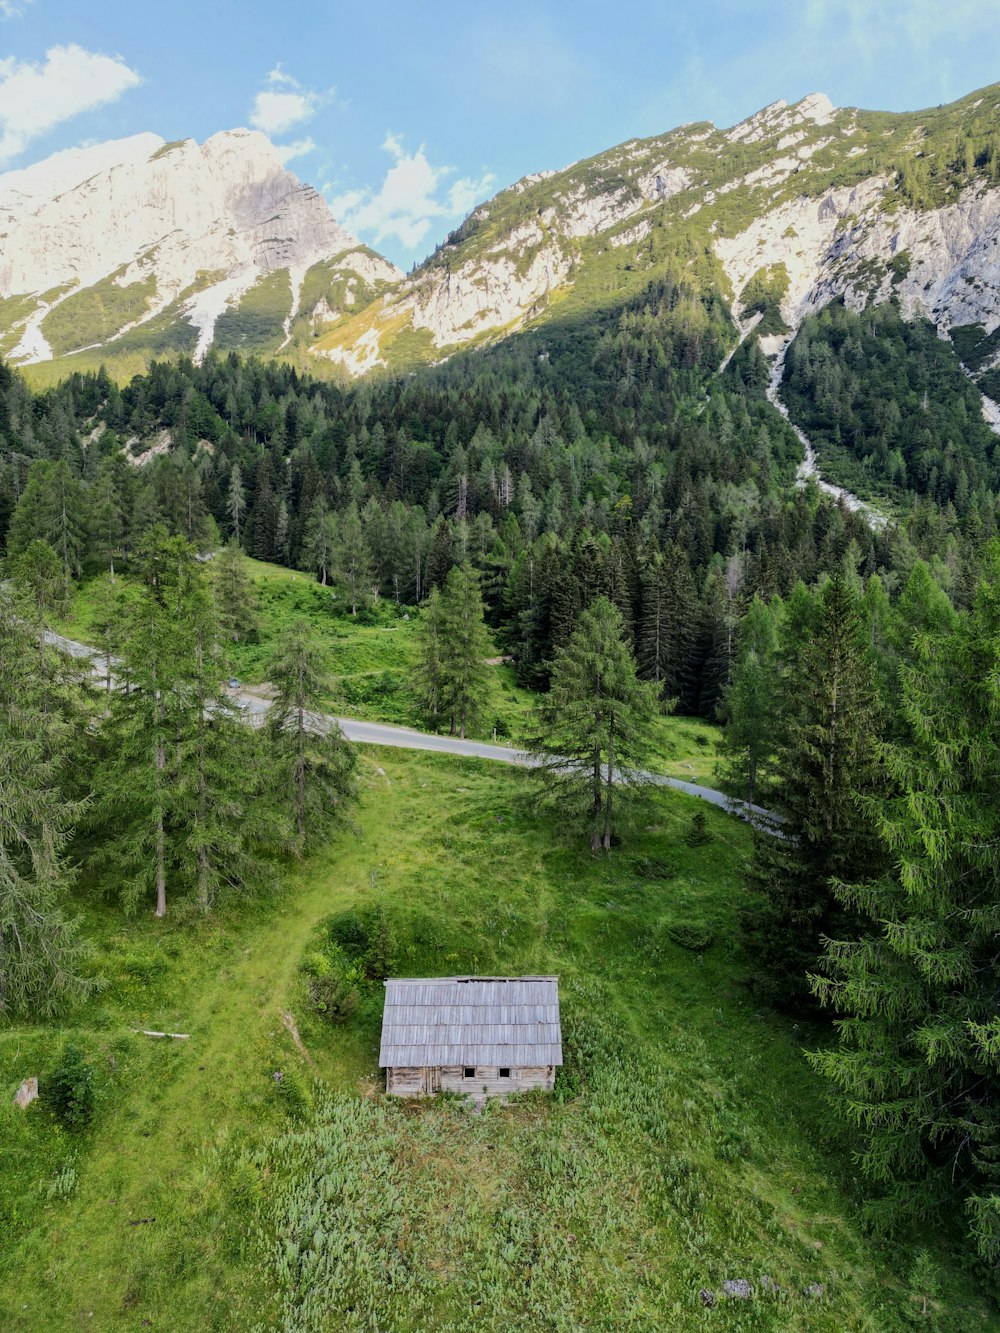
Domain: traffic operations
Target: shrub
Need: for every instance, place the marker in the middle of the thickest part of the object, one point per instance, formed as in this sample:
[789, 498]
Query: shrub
[698, 834]
[334, 994]
[654, 867]
[349, 931]
[381, 956]
[694, 938]
[70, 1089]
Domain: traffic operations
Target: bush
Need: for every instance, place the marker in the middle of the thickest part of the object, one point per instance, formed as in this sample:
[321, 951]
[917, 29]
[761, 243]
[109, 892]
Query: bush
[694, 938]
[350, 932]
[334, 994]
[698, 834]
[381, 956]
[70, 1089]
[654, 867]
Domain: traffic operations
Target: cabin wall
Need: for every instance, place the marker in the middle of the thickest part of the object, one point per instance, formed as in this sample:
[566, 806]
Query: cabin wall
[404, 1082]
[417, 1082]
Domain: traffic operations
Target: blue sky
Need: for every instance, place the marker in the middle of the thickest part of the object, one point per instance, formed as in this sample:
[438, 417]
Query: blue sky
[406, 114]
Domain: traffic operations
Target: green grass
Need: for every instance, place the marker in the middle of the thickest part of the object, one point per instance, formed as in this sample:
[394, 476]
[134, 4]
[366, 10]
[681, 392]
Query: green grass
[690, 1145]
[254, 325]
[372, 658]
[96, 313]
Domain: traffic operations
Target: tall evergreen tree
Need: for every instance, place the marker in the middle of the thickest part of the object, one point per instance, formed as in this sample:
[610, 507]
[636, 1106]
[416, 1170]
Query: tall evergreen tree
[595, 723]
[827, 764]
[314, 764]
[750, 704]
[917, 1065]
[235, 594]
[41, 954]
[431, 651]
[466, 679]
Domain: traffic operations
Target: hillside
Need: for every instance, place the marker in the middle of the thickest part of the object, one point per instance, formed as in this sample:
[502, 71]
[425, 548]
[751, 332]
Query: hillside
[780, 214]
[687, 1146]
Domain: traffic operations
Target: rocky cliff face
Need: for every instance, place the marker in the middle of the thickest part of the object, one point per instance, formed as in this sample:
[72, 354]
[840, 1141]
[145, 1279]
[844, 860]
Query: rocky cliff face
[826, 202]
[97, 243]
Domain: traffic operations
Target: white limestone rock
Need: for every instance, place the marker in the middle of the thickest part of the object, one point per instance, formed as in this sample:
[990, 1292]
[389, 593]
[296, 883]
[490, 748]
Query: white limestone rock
[138, 207]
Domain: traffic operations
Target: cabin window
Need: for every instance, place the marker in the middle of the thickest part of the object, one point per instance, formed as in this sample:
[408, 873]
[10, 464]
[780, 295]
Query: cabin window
[504, 1073]
[469, 1071]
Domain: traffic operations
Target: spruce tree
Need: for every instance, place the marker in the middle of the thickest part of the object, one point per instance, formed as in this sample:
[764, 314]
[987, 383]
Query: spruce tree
[314, 764]
[917, 1065]
[750, 705]
[139, 781]
[595, 723]
[41, 955]
[827, 764]
[429, 669]
[466, 679]
[235, 594]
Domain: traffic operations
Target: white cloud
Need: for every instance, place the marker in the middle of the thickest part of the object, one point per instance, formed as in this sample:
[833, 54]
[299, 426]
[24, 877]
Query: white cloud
[36, 96]
[13, 9]
[298, 148]
[411, 198]
[284, 103]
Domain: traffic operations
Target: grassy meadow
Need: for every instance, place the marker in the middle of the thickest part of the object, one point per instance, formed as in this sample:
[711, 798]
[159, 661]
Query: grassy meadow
[372, 658]
[686, 1144]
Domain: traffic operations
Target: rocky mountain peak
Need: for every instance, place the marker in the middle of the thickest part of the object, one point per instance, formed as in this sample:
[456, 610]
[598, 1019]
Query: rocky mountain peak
[98, 242]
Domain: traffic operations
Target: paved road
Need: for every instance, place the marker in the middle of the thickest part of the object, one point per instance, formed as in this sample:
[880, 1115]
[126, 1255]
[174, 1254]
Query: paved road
[405, 738]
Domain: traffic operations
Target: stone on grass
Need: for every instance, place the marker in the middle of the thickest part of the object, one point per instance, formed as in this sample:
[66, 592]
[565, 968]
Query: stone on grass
[707, 1298]
[814, 1289]
[738, 1288]
[26, 1093]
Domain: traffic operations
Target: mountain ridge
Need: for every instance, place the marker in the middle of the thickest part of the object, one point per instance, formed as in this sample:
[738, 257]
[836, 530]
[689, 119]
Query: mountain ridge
[797, 205]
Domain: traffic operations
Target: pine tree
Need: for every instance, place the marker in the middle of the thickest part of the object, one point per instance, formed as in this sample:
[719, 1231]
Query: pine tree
[107, 514]
[40, 952]
[314, 764]
[235, 594]
[827, 763]
[429, 669]
[319, 540]
[595, 723]
[750, 704]
[352, 559]
[138, 784]
[667, 623]
[466, 679]
[236, 501]
[917, 1065]
[227, 820]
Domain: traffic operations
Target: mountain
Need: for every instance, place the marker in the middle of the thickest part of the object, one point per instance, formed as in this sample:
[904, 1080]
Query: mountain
[139, 246]
[783, 213]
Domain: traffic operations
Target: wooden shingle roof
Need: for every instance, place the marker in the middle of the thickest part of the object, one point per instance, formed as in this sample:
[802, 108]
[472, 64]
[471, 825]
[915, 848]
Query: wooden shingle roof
[434, 1021]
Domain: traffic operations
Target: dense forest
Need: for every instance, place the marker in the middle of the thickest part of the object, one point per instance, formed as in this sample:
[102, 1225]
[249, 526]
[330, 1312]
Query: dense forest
[624, 521]
[601, 456]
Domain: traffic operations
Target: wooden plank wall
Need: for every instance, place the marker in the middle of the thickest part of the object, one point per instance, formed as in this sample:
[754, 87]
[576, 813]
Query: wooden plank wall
[411, 1081]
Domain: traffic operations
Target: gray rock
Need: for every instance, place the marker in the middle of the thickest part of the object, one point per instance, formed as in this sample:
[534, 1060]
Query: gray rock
[738, 1288]
[814, 1289]
[707, 1298]
[26, 1093]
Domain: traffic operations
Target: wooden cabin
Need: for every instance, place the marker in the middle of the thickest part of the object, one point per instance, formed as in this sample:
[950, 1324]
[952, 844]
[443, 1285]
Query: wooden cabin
[482, 1036]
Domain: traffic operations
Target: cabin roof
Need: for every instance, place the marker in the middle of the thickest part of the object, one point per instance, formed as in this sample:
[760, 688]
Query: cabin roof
[430, 1021]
